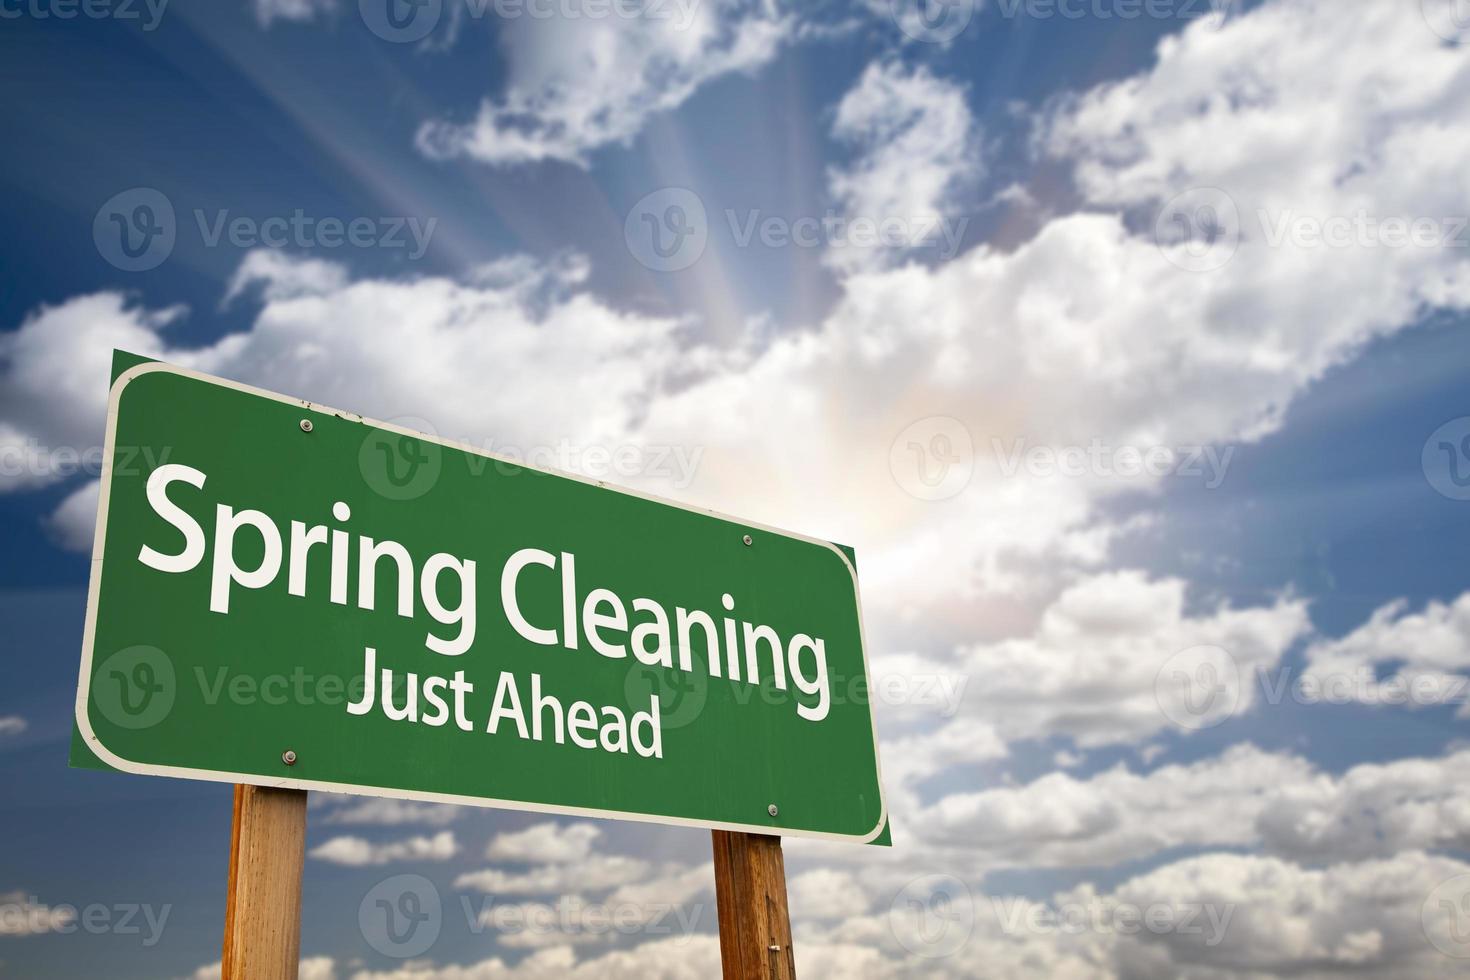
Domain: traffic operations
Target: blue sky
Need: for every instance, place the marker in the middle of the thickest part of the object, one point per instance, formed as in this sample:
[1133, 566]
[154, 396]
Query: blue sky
[1039, 296]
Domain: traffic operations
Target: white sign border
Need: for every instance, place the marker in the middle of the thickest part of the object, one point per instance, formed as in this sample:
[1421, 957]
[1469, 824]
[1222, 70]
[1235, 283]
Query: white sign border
[181, 772]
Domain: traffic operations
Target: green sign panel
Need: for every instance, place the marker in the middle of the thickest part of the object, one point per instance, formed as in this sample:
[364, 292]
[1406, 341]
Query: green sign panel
[288, 595]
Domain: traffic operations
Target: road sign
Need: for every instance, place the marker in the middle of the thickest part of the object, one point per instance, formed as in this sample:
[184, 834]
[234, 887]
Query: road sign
[288, 595]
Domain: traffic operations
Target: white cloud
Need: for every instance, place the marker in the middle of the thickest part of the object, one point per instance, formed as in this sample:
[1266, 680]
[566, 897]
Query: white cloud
[1091, 668]
[1371, 810]
[1368, 919]
[563, 863]
[1115, 816]
[679, 958]
[580, 83]
[54, 370]
[24, 915]
[74, 521]
[1245, 797]
[596, 872]
[385, 812]
[310, 968]
[1217, 916]
[269, 11]
[284, 277]
[649, 901]
[551, 843]
[825, 893]
[359, 852]
[12, 724]
[1427, 653]
[916, 147]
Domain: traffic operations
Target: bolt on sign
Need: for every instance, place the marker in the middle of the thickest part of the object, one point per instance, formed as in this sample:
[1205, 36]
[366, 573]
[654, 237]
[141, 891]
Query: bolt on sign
[287, 595]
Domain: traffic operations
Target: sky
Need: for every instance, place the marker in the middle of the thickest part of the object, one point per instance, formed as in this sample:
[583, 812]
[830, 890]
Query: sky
[1124, 341]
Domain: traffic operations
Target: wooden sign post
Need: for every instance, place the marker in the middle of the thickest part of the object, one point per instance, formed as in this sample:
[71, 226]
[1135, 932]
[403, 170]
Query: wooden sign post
[263, 910]
[750, 895]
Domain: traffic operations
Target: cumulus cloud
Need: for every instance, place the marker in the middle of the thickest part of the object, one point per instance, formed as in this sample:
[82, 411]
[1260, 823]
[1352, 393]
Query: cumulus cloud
[549, 842]
[1398, 657]
[916, 146]
[679, 958]
[74, 521]
[54, 370]
[310, 968]
[1371, 810]
[1091, 669]
[562, 862]
[1218, 916]
[359, 852]
[1369, 919]
[1245, 797]
[22, 914]
[579, 83]
[592, 873]
[269, 11]
[1114, 816]
[385, 812]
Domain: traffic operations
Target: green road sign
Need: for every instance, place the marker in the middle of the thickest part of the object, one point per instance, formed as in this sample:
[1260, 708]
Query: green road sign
[288, 595]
